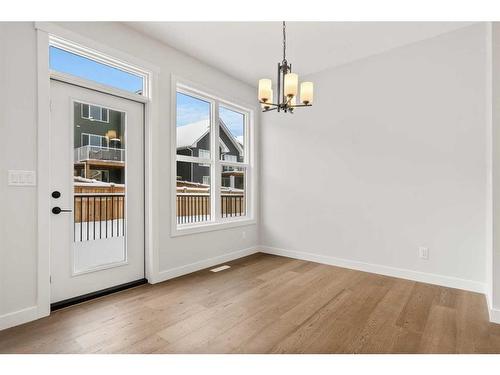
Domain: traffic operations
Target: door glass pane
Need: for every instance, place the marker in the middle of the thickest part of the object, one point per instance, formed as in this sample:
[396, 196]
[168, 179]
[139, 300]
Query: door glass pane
[193, 192]
[232, 135]
[193, 126]
[99, 189]
[232, 191]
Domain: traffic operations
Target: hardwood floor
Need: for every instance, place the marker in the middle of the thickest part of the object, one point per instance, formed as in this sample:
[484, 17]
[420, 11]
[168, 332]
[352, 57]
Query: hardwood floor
[268, 304]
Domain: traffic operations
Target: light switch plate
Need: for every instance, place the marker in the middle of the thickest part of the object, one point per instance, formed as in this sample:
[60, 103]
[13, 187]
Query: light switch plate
[21, 178]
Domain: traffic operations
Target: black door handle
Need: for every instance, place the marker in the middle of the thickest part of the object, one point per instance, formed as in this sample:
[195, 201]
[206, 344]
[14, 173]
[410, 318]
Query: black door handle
[58, 210]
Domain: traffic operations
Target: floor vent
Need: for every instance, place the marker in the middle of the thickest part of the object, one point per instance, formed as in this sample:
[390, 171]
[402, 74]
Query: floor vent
[221, 268]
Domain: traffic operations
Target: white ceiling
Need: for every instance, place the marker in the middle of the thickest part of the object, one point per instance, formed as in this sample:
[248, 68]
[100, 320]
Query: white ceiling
[251, 50]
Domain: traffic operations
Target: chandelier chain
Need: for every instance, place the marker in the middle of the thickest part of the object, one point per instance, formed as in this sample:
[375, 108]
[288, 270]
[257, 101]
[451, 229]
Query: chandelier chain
[284, 41]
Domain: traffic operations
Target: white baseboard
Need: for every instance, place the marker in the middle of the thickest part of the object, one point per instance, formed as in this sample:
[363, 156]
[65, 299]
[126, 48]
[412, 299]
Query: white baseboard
[32, 313]
[19, 317]
[193, 267]
[494, 315]
[430, 278]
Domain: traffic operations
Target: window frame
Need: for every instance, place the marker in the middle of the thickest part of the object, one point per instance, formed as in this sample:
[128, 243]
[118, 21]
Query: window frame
[216, 222]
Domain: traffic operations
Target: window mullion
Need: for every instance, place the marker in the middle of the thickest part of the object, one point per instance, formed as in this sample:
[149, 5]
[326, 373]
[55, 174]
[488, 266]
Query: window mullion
[216, 207]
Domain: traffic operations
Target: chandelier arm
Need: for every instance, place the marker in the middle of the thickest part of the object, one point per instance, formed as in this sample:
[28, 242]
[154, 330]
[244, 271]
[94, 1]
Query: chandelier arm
[269, 103]
[301, 105]
[269, 109]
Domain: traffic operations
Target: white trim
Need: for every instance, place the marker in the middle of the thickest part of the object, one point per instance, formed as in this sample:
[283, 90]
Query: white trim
[204, 92]
[200, 265]
[489, 164]
[151, 115]
[215, 179]
[96, 86]
[16, 318]
[209, 226]
[424, 277]
[43, 173]
[494, 316]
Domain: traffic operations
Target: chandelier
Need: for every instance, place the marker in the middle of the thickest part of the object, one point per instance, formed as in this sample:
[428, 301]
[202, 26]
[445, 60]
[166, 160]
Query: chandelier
[287, 88]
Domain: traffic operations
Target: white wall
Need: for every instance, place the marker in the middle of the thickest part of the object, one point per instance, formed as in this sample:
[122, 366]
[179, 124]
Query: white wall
[392, 156]
[17, 151]
[18, 253]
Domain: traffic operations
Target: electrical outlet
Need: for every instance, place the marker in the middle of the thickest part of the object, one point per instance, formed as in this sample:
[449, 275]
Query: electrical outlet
[423, 252]
[243, 234]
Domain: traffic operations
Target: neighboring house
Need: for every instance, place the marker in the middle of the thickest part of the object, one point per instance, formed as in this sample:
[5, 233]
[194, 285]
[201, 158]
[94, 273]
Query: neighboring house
[98, 137]
[194, 140]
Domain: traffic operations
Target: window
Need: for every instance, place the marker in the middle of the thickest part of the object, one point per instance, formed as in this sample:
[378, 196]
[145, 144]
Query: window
[95, 113]
[94, 140]
[228, 157]
[205, 154]
[213, 167]
[68, 58]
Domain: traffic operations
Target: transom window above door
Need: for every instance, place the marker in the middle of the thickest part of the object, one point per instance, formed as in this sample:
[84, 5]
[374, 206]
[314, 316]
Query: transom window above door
[74, 60]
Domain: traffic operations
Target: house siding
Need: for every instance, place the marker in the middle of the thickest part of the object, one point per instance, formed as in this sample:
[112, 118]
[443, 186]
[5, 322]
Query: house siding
[195, 172]
[84, 125]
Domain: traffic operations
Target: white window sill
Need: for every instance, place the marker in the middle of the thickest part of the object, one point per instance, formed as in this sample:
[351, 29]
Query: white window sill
[184, 230]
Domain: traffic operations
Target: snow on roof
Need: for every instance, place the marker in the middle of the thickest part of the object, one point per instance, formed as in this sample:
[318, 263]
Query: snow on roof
[81, 181]
[188, 135]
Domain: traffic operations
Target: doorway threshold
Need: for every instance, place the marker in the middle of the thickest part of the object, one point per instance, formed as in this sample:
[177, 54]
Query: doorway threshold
[100, 293]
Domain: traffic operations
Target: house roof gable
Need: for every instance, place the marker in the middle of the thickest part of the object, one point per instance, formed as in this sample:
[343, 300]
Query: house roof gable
[190, 134]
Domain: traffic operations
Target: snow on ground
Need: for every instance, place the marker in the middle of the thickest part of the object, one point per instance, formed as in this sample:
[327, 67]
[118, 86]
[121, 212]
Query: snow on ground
[85, 230]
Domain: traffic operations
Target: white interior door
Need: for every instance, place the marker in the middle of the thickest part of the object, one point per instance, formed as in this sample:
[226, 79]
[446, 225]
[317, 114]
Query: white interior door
[97, 181]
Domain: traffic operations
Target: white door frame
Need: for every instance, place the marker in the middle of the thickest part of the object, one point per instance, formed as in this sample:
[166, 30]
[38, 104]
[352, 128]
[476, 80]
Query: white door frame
[44, 31]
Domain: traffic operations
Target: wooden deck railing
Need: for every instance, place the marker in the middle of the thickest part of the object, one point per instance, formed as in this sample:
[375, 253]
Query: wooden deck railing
[194, 208]
[98, 216]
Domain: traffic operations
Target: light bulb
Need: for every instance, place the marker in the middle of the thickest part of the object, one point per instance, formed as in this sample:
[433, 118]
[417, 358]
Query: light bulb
[291, 84]
[306, 92]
